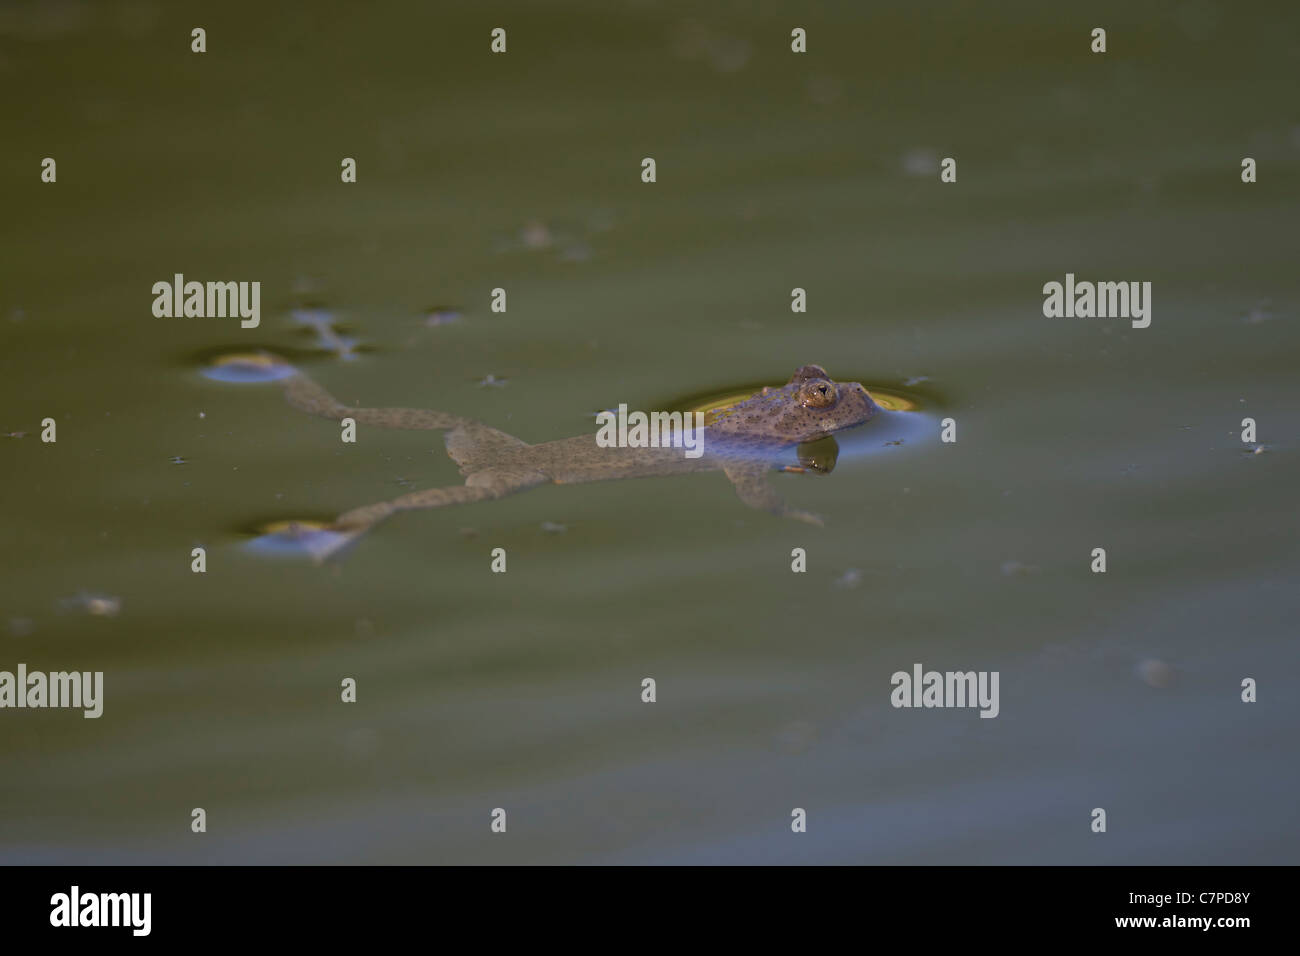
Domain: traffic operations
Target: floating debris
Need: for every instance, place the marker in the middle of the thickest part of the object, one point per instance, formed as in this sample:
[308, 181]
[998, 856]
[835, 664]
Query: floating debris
[178, 460]
[249, 367]
[100, 605]
[852, 578]
[327, 337]
[15, 434]
[568, 242]
[550, 527]
[1016, 569]
[536, 235]
[491, 381]
[435, 317]
[441, 316]
[916, 380]
[1260, 313]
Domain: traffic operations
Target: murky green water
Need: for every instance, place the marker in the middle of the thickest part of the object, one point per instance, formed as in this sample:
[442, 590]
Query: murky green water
[775, 170]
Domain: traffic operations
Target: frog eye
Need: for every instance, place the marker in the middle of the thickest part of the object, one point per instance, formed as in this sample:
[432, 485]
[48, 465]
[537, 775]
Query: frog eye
[819, 394]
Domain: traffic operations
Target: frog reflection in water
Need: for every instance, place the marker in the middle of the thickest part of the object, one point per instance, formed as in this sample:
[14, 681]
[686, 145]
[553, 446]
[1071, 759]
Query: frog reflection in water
[743, 441]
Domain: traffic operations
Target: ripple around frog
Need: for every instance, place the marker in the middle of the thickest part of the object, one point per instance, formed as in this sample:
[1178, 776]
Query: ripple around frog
[904, 420]
[242, 366]
[293, 539]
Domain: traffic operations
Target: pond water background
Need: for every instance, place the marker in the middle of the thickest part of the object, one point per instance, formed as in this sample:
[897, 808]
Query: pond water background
[775, 170]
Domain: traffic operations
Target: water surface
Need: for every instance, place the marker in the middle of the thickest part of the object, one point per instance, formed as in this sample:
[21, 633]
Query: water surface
[522, 690]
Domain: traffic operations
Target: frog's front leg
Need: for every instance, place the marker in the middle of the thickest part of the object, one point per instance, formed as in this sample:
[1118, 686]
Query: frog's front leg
[754, 490]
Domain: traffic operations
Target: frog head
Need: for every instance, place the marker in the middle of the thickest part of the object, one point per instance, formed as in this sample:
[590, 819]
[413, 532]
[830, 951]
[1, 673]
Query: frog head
[807, 407]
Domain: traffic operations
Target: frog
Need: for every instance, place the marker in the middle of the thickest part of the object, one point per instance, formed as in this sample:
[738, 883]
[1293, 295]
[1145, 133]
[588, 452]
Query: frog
[745, 441]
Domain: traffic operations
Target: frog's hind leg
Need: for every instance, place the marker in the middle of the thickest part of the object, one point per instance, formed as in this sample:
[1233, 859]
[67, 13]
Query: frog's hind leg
[482, 486]
[306, 396]
[754, 490]
[478, 448]
[483, 454]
